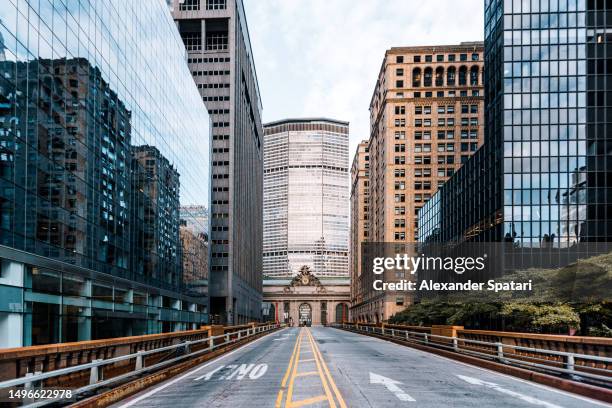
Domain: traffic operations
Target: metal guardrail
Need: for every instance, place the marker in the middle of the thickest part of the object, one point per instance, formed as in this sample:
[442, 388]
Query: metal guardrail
[32, 381]
[567, 363]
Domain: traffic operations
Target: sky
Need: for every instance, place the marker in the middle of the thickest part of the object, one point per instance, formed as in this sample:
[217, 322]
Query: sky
[322, 57]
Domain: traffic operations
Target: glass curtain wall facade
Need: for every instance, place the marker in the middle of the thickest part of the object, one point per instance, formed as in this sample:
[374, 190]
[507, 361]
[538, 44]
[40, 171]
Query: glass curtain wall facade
[546, 164]
[102, 135]
[306, 194]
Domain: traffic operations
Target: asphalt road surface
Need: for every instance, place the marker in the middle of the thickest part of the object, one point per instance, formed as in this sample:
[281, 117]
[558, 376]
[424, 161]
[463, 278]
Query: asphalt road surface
[321, 367]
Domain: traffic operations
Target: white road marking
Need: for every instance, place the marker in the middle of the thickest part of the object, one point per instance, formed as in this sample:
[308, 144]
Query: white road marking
[209, 375]
[177, 379]
[517, 395]
[258, 371]
[240, 372]
[497, 373]
[392, 386]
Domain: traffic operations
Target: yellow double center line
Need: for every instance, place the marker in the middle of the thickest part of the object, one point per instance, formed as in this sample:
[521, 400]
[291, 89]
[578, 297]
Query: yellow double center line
[292, 373]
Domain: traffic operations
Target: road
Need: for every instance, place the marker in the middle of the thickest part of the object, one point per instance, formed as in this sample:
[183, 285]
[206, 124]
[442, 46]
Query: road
[321, 367]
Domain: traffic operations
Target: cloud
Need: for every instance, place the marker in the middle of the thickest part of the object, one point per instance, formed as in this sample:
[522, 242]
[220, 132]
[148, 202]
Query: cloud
[322, 57]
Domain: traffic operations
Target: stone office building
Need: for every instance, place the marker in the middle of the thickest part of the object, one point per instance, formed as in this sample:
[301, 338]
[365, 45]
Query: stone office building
[426, 120]
[219, 55]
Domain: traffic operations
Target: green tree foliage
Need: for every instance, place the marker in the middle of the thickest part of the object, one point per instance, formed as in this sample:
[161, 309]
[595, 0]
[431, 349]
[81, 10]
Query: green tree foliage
[573, 297]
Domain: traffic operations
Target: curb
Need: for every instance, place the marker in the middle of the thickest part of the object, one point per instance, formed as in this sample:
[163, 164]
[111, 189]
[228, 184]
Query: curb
[586, 390]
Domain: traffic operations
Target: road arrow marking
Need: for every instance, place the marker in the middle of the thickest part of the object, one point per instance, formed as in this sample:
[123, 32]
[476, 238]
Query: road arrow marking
[497, 387]
[391, 385]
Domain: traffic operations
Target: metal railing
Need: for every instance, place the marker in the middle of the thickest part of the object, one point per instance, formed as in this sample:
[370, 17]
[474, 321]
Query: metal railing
[579, 367]
[33, 381]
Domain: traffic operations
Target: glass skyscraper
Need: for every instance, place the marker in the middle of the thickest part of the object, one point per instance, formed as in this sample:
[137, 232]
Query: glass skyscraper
[306, 193]
[103, 136]
[543, 178]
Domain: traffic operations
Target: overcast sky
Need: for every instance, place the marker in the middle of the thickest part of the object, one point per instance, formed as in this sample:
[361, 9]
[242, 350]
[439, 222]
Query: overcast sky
[322, 57]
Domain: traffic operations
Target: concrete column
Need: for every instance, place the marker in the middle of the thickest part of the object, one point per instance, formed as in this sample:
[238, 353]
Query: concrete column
[85, 324]
[315, 307]
[11, 330]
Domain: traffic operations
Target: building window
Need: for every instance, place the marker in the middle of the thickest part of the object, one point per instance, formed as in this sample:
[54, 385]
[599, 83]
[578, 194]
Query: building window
[192, 41]
[215, 4]
[216, 41]
[474, 75]
[416, 77]
[428, 58]
[400, 236]
[399, 84]
[400, 135]
[399, 71]
[399, 59]
[463, 76]
[450, 76]
[462, 57]
[427, 76]
[417, 58]
[400, 110]
[439, 76]
[189, 5]
[475, 57]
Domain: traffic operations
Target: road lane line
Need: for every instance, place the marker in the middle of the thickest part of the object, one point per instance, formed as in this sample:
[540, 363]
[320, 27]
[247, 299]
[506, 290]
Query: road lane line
[292, 361]
[172, 382]
[331, 380]
[319, 363]
[306, 373]
[292, 379]
[494, 373]
[308, 401]
[307, 360]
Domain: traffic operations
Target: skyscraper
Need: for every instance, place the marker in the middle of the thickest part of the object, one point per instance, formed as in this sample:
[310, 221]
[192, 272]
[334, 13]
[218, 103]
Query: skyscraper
[73, 185]
[306, 192]
[542, 178]
[216, 37]
[426, 119]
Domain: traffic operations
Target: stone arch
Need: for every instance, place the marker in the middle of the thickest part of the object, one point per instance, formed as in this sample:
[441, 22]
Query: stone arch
[341, 312]
[427, 76]
[463, 73]
[474, 75]
[451, 76]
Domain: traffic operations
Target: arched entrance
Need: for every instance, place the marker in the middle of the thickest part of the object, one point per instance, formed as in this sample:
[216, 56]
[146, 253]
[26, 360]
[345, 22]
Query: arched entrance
[305, 315]
[341, 312]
